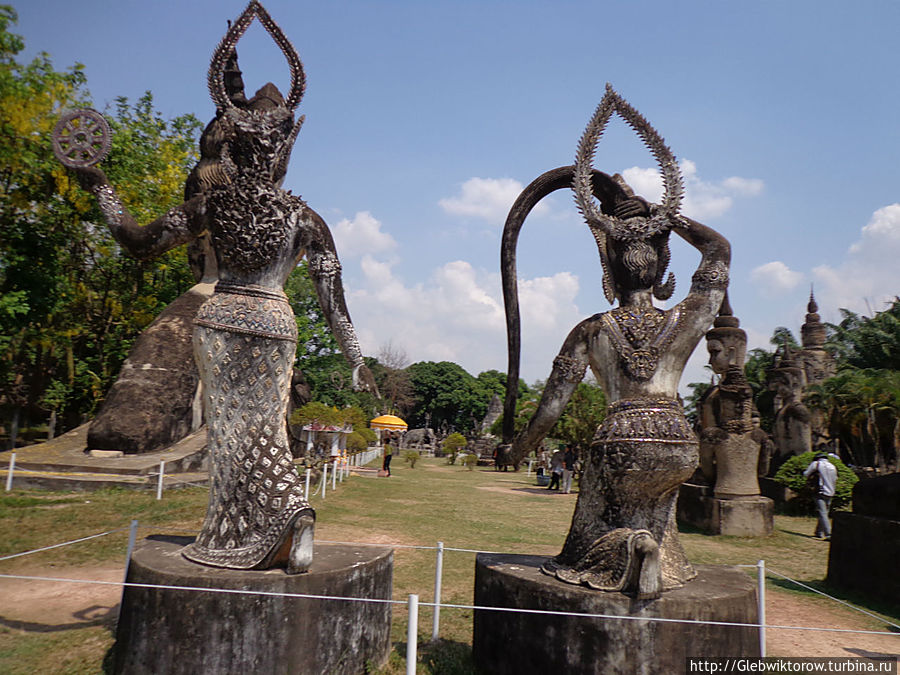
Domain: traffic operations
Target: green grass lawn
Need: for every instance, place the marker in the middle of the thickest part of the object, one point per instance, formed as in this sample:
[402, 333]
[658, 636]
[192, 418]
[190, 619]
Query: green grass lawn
[470, 509]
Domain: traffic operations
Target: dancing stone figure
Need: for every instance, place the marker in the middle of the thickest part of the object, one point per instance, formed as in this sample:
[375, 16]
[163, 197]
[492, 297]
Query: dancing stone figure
[245, 334]
[623, 535]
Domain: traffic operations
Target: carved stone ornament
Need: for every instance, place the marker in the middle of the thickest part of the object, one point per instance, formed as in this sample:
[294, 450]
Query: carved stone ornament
[572, 370]
[81, 138]
[664, 216]
[709, 277]
[640, 335]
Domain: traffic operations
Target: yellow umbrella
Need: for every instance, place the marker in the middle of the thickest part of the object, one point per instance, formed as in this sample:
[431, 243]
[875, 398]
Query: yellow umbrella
[391, 422]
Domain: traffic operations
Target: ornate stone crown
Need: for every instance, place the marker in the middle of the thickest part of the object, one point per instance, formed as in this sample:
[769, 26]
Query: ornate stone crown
[663, 217]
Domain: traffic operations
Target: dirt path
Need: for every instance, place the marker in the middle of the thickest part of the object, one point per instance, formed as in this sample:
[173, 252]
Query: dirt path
[46, 606]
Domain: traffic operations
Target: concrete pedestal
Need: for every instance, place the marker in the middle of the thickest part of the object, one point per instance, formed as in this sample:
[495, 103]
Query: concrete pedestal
[744, 517]
[181, 631]
[513, 642]
[863, 555]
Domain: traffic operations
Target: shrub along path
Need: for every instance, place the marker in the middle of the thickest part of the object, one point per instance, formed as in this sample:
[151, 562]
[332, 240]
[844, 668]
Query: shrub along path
[51, 629]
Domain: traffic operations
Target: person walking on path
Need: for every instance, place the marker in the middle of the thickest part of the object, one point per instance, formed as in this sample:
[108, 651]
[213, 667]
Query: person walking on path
[556, 469]
[826, 482]
[388, 454]
[569, 458]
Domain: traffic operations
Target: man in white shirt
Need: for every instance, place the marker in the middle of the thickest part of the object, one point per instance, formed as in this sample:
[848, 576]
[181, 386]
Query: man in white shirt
[827, 480]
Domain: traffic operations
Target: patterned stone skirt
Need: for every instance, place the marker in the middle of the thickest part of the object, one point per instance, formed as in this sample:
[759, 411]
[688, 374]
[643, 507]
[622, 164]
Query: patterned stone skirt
[244, 341]
[639, 457]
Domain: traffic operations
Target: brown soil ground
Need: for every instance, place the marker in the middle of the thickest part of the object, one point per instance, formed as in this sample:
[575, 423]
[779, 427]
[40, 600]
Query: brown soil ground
[45, 606]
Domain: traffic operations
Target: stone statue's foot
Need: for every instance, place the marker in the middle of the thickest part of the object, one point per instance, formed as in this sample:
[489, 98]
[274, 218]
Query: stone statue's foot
[623, 560]
[649, 578]
[301, 555]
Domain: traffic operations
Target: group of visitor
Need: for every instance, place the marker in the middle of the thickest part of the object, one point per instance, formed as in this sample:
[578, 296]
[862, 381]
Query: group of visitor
[561, 466]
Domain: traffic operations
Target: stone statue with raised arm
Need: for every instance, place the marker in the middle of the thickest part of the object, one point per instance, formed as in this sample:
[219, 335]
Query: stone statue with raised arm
[623, 535]
[245, 335]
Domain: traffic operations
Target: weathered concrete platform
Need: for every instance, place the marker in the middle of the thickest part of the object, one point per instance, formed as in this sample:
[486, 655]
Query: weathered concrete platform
[508, 642]
[182, 631]
[865, 544]
[743, 517]
[62, 464]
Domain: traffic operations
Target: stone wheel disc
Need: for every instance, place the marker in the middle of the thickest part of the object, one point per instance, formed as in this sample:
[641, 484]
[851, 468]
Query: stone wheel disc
[81, 138]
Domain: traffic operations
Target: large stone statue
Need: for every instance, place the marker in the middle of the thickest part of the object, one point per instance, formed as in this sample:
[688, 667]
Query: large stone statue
[623, 535]
[245, 335]
[792, 429]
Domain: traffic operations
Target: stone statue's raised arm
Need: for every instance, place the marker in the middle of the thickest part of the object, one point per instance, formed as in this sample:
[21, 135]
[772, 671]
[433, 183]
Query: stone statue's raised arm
[325, 272]
[715, 251]
[81, 140]
[568, 370]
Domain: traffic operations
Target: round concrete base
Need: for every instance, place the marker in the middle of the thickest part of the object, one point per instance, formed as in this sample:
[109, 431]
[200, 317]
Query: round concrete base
[184, 631]
[508, 642]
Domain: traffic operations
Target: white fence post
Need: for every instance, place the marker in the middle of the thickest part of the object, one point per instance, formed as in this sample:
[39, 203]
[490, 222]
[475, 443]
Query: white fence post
[324, 478]
[529, 467]
[438, 573]
[761, 603]
[9, 475]
[412, 633]
[159, 483]
[334, 471]
[306, 494]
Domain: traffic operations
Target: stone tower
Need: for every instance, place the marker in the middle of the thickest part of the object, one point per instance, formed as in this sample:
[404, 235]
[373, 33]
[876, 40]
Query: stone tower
[818, 364]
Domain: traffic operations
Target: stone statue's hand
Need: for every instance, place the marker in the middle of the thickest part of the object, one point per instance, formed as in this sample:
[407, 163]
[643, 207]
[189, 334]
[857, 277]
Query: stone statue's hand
[363, 380]
[632, 207]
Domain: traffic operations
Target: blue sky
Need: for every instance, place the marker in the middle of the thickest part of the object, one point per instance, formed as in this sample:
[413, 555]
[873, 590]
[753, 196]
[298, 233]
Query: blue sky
[425, 119]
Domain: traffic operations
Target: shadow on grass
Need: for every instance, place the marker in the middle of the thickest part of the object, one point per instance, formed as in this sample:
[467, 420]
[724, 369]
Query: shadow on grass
[95, 615]
[888, 610]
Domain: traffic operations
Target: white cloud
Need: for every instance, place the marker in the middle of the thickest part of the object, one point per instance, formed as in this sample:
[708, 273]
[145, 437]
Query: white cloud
[702, 199]
[361, 235]
[486, 198]
[776, 277]
[867, 278]
[457, 315]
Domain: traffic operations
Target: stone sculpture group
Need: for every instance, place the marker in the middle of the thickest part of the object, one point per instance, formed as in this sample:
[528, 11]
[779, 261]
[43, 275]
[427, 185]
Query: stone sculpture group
[248, 234]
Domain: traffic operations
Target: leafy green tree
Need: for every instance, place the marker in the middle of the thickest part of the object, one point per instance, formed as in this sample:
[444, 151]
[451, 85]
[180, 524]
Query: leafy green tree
[446, 396]
[318, 355]
[692, 402]
[868, 342]
[71, 302]
[452, 445]
[581, 417]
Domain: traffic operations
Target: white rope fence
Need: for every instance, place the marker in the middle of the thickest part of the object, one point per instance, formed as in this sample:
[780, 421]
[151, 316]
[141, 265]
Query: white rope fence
[413, 602]
[339, 468]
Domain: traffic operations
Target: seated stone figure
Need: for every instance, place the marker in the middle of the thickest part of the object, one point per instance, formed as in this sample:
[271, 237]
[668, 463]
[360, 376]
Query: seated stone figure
[245, 335]
[623, 535]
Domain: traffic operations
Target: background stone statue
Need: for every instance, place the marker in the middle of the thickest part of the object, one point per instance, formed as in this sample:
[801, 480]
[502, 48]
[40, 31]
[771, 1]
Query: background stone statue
[729, 449]
[623, 535]
[792, 430]
[245, 335]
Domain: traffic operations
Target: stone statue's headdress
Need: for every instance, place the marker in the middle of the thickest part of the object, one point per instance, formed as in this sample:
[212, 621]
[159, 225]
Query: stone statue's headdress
[662, 216]
[726, 325]
[224, 62]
